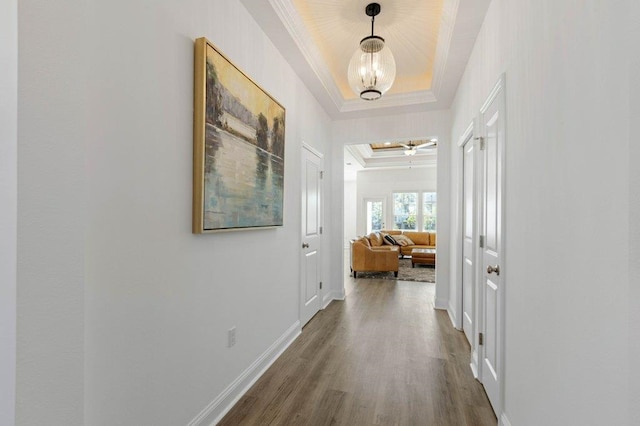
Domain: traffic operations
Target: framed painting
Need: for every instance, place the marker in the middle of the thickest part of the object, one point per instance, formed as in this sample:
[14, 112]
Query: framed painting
[238, 148]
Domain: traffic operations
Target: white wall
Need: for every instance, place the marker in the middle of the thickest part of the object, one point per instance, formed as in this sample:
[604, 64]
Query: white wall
[567, 116]
[8, 201]
[350, 211]
[52, 133]
[382, 183]
[123, 313]
[634, 214]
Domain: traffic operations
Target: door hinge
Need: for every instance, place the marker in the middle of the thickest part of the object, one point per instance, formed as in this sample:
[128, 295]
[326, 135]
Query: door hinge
[320, 285]
[480, 339]
[321, 230]
[481, 241]
[481, 139]
[321, 174]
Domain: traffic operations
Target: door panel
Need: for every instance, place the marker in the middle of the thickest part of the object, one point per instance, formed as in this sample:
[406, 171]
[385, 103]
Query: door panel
[468, 243]
[491, 192]
[310, 292]
[311, 277]
[491, 306]
[312, 218]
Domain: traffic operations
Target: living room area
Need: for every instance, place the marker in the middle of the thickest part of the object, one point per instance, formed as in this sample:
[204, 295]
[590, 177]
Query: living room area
[390, 206]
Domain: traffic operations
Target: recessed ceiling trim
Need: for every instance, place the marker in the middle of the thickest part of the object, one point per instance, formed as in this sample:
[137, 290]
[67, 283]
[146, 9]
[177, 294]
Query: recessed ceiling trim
[397, 100]
[364, 151]
[296, 28]
[449, 13]
[288, 14]
[400, 163]
[355, 153]
[459, 23]
[369, 160]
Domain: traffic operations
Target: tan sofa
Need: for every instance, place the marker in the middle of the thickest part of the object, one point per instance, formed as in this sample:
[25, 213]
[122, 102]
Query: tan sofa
[423, 239]
[367, 257]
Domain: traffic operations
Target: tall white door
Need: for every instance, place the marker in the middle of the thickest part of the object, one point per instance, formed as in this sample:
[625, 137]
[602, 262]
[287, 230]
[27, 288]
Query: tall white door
[310, 283]
[468, 238]
[492, 252]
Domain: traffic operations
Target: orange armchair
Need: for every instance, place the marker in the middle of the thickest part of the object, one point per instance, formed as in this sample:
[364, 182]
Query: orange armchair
[365, 258]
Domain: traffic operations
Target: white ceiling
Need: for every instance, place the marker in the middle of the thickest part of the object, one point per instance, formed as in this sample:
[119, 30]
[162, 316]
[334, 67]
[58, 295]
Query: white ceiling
[431, 41]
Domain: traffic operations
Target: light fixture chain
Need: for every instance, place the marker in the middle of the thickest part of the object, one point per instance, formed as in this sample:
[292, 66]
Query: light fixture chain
[373, 18]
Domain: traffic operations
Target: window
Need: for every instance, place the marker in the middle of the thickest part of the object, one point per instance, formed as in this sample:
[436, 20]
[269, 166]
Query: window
[413, 213]
[405, 206]
[429, 211]
[375, 215]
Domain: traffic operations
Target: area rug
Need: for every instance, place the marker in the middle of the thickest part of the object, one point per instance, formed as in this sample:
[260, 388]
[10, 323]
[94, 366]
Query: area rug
[421, 273]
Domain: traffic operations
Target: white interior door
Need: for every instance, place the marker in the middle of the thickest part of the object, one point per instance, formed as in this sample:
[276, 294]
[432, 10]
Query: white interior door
[468, 238]
[492, 252]
[311, 285]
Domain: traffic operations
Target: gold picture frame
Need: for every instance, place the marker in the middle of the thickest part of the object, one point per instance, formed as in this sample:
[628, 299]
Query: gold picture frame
[238, 148]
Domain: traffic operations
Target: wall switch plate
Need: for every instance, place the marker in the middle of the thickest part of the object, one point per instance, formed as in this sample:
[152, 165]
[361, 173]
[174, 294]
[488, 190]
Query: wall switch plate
[231, 337]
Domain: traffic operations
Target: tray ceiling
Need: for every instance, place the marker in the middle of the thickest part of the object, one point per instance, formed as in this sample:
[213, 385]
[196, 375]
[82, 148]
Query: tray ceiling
[430, 39]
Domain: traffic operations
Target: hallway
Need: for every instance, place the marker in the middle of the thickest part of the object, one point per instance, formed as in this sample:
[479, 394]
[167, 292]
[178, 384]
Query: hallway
[383, 356]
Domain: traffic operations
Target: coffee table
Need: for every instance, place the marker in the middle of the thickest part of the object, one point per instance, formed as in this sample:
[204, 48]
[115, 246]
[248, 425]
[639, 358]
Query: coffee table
[424, 256]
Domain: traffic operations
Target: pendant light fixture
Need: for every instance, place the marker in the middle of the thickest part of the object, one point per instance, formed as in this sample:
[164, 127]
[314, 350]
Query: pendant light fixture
[372, 68]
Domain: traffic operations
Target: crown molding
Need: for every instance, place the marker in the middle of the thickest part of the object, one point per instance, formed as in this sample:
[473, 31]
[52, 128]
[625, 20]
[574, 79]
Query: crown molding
[387, 101]
[445, 34]
[288, 14]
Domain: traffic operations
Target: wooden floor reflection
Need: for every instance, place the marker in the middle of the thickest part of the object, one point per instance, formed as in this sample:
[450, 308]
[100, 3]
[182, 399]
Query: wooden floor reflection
[384, 356]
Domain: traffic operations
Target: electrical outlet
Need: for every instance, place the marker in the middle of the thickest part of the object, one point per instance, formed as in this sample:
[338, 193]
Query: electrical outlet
[231, 337]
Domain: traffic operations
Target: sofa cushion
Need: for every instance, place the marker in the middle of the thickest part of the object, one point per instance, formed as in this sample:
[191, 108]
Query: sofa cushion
[403, 240]
[375, 239]
[420, 238]
[432, 238]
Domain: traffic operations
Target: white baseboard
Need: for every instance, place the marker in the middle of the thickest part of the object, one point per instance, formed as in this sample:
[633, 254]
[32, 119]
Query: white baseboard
[217, 408]
[474, 370]
[328, 298]
[452, 316]
[441, 304]
[504, 421]
[331, 296]
[474, 362]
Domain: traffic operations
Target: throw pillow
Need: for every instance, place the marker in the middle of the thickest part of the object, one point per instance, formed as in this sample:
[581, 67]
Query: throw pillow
[388, 239]
[375, 239]
[364, 240]
[403, 240]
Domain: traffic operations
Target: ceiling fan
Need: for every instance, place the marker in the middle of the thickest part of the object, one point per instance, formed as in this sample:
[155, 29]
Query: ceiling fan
[412, 148]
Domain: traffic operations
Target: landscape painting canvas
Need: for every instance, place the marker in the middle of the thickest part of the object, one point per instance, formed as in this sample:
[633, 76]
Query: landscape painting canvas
[239, 144]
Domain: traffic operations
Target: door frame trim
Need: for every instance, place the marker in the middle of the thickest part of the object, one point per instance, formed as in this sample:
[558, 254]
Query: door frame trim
[322, 291]
[464, 139]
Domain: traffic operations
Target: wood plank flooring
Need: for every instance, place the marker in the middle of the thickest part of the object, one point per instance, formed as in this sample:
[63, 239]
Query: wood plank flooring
[383, 356]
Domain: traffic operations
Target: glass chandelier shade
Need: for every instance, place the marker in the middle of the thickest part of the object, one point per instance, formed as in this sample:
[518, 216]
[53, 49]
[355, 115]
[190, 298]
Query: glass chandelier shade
[372, 68]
